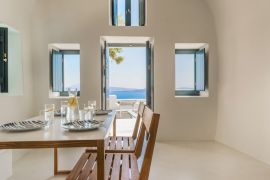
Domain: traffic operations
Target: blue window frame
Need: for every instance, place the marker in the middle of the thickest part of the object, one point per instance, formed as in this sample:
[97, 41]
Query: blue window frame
[128, 12]
[190, 72]
[65, 71]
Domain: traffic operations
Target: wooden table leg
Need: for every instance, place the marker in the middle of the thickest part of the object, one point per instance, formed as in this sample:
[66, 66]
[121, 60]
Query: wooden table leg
[55, 161]
[56, 171]
[100, 160]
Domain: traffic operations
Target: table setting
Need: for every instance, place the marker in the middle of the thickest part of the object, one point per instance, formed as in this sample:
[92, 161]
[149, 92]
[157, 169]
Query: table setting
[72, 118]
[67, 127]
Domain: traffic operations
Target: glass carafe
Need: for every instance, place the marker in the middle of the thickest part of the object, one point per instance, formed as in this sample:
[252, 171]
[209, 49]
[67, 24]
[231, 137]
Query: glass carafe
[72, 113]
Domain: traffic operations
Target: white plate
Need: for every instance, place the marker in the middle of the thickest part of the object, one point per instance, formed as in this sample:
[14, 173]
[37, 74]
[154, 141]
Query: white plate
[23, 126]
[81, 125]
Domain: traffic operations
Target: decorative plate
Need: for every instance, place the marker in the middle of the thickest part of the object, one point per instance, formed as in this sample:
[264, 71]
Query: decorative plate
[23, 126]
[102, 112]
[82, 125]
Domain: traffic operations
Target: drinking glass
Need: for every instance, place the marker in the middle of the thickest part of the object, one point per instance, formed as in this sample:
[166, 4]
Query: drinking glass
[47, 115]
[64, 105]
[49, 112]
[88, 112]
[92, 104]
[83, 115]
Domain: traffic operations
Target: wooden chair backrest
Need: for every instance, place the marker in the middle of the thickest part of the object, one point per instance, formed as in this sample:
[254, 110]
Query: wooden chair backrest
[138, 120]
[150, 121]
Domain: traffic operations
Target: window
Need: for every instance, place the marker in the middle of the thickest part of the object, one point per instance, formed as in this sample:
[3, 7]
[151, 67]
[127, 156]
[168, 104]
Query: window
[190, 72]
[3, 59]
[11, 69]
[127, 71]
[128, 12]
[65, 71]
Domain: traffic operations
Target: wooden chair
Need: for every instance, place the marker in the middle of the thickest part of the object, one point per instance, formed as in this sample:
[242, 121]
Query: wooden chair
[116, 144]
[113, 144]
[122, 166]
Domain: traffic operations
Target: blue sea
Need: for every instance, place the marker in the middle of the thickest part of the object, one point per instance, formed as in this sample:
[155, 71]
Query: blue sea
[129, 94]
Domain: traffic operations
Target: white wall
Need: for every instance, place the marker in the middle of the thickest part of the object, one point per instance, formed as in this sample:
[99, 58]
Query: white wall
[243, 42]
[18, 14]
[169, 22]
[244, 69]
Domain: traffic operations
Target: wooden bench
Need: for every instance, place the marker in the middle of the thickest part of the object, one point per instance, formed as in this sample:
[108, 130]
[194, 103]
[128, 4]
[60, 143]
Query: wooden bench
[122, 166]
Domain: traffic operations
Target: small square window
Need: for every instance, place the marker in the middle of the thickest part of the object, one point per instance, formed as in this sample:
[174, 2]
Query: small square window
[190, 71]
[127, 12]
[65, 69]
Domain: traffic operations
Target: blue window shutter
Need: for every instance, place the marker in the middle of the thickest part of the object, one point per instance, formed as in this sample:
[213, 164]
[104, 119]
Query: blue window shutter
[114, 12]
[149, 78]
[142, 13]
[4, 60]
[200, 70]
[128, 13]
[57, 71]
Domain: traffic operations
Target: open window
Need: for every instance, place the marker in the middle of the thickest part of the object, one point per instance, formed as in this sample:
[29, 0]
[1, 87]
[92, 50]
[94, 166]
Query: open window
[64, 68]
[127, 72]
[191, 72]
[128, 12]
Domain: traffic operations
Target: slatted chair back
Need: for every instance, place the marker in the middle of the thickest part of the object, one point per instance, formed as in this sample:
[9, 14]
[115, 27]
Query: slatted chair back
[150, 121]
[138, 120]
[122, 166]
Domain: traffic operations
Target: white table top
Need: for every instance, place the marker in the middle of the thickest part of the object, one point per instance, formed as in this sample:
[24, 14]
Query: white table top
[56, 133]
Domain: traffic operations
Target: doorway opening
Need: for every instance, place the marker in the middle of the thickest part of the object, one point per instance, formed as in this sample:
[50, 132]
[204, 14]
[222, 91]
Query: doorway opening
[127, 73]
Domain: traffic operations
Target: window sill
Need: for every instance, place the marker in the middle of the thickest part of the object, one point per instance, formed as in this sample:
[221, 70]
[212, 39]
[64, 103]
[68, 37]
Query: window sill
[55, 95]
[204, 94]
[61, 97]
[58, 97]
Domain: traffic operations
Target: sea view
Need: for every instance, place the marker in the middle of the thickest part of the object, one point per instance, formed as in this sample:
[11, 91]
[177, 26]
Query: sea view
[126, 93]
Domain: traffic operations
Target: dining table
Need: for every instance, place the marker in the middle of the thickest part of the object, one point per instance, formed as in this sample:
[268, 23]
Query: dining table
[55, 136]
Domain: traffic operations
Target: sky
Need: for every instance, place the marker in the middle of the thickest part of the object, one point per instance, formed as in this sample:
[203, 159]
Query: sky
[72, 71]
[134, 11]
[184, 71]
[131, 73]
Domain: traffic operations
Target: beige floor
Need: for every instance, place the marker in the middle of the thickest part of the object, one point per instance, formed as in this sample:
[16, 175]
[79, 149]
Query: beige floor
[171, 161]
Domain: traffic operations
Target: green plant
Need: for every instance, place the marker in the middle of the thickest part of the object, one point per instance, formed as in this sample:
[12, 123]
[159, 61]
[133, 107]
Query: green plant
[113, 53]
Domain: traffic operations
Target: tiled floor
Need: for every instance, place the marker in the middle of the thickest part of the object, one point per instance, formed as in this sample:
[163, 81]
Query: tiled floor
[171, 161]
